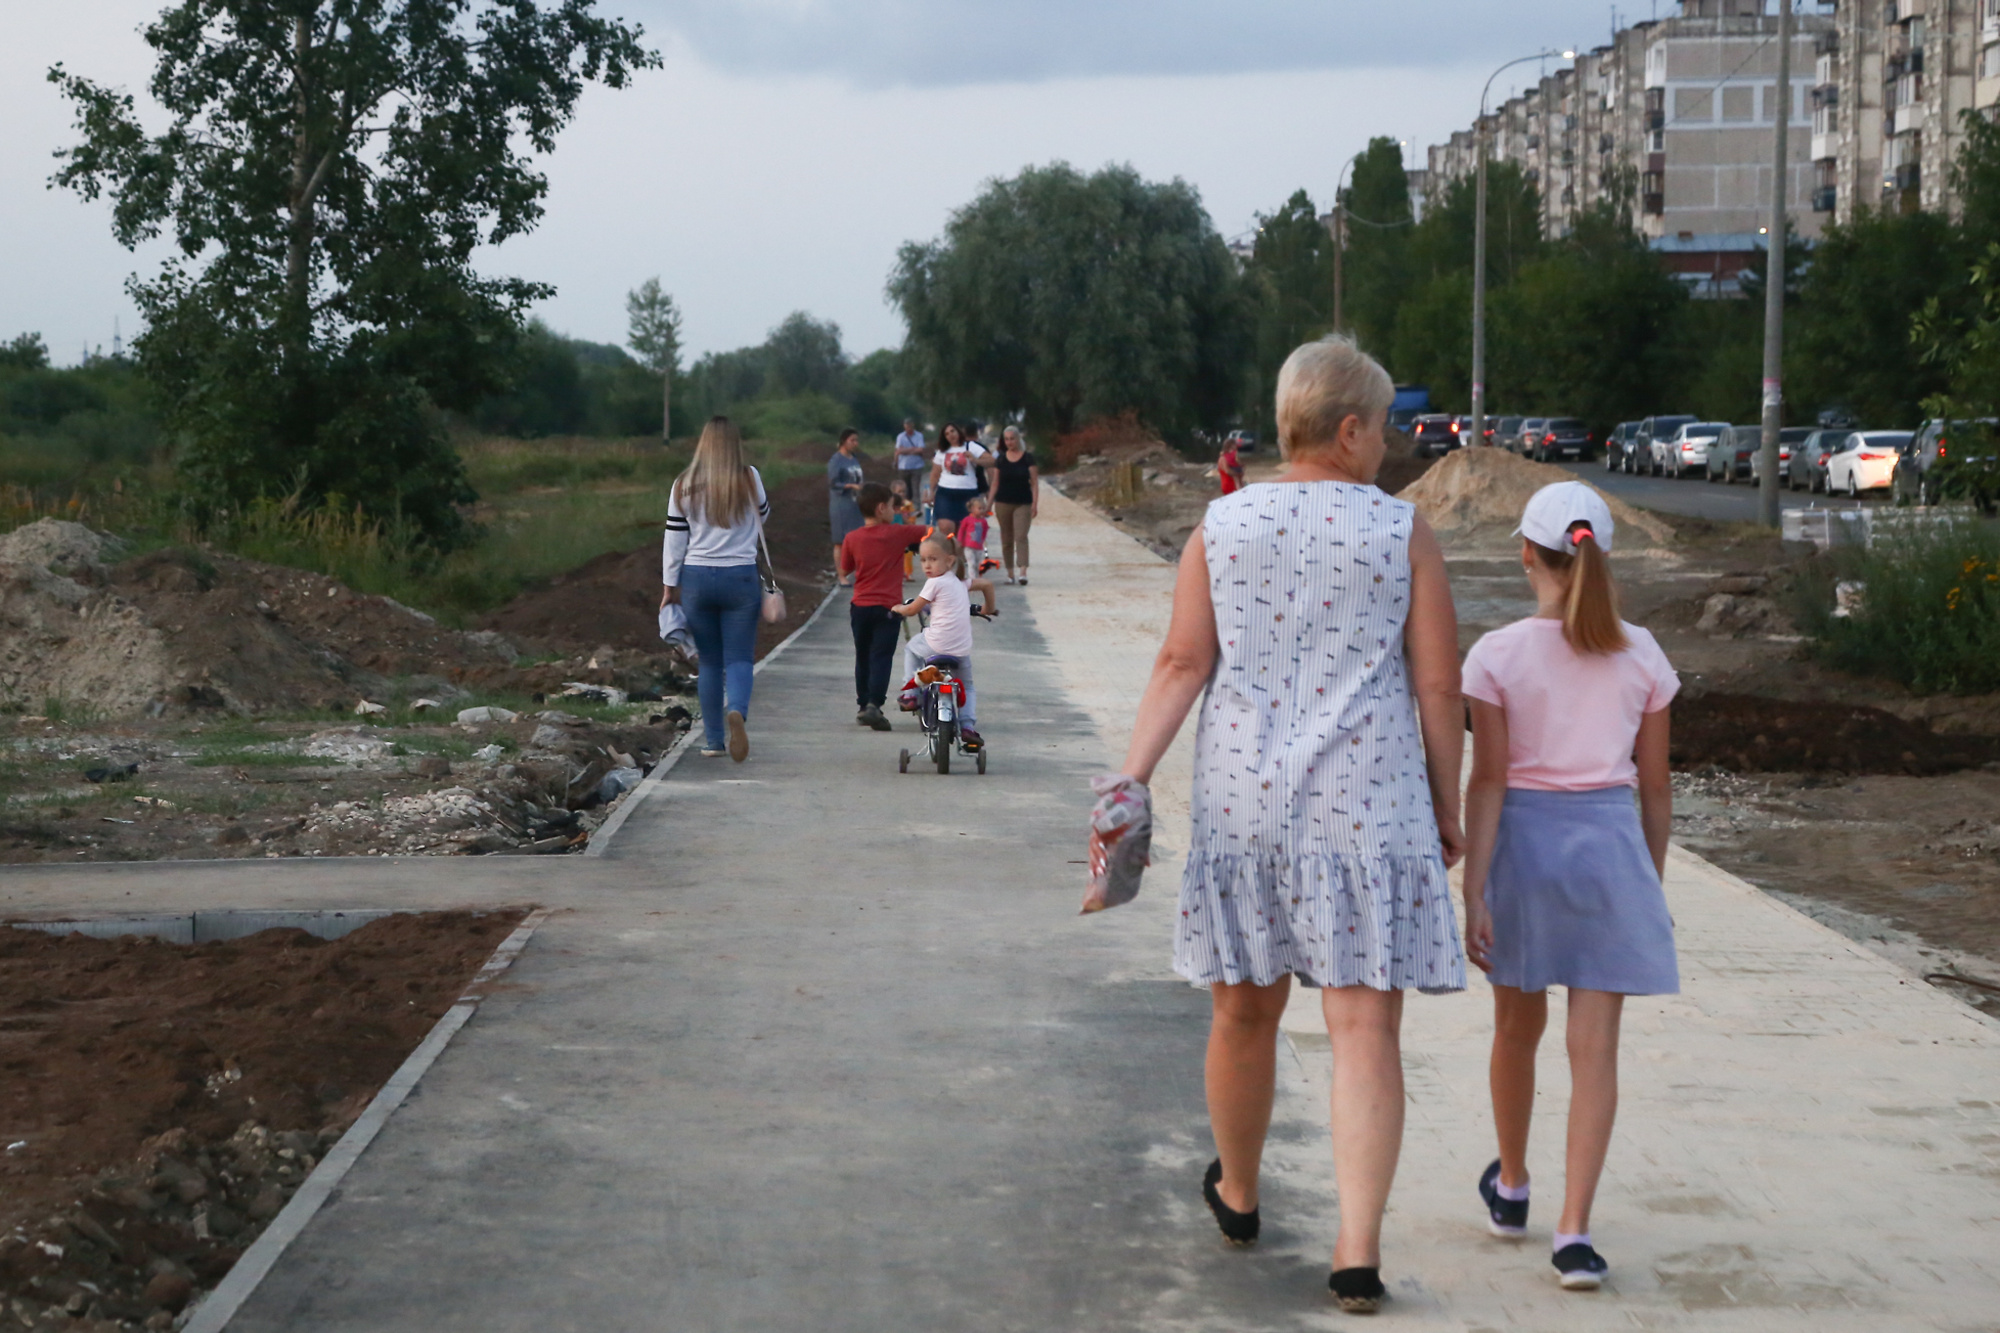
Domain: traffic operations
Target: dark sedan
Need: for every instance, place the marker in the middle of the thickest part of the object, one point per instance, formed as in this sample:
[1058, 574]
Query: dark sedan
[1436, 435]
[1561, 437]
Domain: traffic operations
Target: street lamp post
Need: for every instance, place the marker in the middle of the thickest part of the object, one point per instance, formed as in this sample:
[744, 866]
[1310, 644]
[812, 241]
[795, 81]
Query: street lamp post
[1774, 287]
[1479, 249]
[1340, 245]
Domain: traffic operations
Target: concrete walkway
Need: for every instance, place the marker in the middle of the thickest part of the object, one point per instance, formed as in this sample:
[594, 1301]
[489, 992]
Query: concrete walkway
[818, 1046]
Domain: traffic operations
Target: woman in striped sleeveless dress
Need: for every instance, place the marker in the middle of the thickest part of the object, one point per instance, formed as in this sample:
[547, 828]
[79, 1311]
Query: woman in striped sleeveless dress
[1314, 620]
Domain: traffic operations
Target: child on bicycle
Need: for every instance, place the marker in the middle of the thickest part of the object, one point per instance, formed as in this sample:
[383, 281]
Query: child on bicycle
[948, 595]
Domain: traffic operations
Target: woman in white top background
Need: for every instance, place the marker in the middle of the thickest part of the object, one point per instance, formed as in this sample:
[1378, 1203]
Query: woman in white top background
[714, 515]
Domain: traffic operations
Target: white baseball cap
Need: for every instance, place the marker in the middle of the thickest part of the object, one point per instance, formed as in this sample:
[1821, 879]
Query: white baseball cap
[1554, 510]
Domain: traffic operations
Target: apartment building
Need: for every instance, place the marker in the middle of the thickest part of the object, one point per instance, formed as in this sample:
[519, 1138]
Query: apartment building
[1680, 113]
[1892, 89]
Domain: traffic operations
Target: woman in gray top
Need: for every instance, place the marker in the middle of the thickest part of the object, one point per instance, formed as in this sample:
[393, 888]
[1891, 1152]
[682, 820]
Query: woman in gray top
[843, 484]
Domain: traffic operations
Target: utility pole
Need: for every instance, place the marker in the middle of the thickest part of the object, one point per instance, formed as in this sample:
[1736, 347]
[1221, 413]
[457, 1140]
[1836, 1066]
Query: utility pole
[1479, 253]
[1774, 286]
[1339, 261]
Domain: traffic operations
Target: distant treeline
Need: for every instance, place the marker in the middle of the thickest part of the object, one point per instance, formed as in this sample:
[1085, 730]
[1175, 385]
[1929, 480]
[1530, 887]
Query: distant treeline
[798, 382]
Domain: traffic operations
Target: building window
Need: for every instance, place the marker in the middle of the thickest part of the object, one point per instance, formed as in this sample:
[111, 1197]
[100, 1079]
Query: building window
[1739, 102]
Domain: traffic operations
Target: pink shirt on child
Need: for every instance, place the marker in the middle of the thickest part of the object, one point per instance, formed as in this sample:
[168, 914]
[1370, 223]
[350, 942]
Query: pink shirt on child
[1572, 718]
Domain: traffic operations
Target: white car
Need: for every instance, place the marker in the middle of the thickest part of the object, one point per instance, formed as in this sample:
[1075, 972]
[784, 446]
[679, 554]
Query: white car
[1866, 461]
[1686, 450]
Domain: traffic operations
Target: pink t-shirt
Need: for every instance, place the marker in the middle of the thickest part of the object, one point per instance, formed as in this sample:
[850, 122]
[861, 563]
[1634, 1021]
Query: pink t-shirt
[1572, 718]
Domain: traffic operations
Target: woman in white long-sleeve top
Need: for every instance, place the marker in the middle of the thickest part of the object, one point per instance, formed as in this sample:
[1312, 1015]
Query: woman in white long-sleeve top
[714, 515]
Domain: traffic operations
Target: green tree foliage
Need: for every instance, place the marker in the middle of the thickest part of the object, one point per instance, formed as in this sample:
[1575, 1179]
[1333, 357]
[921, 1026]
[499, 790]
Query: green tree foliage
[1433, 338]
[1379, 224]
[1069, 297]
[62, 428]
[654, 332]
[1851, 343]
[1578, 329]
[1289, 282]
[327, 169]
[803, 355]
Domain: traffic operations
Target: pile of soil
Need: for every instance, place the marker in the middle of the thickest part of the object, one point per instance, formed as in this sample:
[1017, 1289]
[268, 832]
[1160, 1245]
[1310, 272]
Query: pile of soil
[1751, 734]
[1478, 494]
[192, 629]
[162, 1102]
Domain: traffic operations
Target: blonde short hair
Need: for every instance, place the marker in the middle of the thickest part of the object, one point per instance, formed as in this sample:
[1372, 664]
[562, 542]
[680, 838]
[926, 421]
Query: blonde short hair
[1321, 385]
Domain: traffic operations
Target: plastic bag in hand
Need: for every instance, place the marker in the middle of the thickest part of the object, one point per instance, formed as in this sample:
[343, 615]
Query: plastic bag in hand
[1121, 840]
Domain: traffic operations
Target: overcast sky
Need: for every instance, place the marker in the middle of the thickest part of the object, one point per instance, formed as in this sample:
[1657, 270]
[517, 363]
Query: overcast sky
[789, 147]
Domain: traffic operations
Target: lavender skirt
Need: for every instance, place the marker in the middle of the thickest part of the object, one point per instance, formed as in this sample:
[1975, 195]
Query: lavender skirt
[1574, 896]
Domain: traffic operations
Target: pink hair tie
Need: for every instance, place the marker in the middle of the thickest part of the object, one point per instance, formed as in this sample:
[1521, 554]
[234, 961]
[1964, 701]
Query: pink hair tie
[1578, 533]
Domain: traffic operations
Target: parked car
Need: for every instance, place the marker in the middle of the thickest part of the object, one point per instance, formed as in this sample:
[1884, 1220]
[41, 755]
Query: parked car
[1930, 446]
[1501, 429]
[1436, 434]
[1531, 428]
[1738, 451]
[1808, 463]
[1866, 461]
[1639, 451]
[1686, 449]
[1617, 442]
[1561, 437]
[1244, 440]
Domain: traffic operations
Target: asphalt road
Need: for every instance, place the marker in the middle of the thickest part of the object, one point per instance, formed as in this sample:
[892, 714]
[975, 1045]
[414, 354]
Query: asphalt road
[1703, 499]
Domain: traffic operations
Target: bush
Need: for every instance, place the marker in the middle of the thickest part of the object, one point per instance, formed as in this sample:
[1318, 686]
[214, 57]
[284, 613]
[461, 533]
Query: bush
[1929, 613]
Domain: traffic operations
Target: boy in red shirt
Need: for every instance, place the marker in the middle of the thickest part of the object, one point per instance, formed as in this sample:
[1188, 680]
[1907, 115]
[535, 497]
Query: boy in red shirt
[874, 554]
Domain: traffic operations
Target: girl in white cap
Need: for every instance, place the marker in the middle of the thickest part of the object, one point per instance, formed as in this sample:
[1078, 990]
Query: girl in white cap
[1562, 874]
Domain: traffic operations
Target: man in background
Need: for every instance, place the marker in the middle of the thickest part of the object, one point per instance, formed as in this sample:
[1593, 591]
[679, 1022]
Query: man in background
[910, 460]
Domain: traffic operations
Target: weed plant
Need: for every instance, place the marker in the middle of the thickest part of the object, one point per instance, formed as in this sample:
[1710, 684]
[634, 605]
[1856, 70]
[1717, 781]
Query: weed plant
[1929, 612]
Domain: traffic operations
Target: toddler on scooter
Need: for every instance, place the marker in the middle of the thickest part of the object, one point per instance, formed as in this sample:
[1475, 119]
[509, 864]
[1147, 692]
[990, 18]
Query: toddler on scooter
[949, 596]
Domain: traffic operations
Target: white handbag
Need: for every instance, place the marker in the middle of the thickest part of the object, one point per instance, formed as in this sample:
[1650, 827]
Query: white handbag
[773, 610]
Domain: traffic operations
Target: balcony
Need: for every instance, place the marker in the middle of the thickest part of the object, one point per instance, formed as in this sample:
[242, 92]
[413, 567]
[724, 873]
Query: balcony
[1827, 94]
[1825, 147]
[1909, 176]
[1909, 118]
[1606, 142]
[1653, 204]
[1823, 199]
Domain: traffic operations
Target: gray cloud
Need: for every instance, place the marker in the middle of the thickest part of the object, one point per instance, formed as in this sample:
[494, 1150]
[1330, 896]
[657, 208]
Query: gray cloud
[931, 42]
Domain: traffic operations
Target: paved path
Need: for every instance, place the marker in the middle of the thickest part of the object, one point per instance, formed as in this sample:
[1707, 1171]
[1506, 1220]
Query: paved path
[822, 1047]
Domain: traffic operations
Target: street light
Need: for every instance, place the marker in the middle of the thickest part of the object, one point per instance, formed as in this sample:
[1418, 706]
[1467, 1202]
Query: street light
[1340, 243]
[1479, 250]
[1774, 286]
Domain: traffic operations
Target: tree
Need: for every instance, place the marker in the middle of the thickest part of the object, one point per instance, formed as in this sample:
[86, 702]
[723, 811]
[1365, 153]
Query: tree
[654, 324]
[25, 351]
[1289, 283]
[803, 355]
[1069, 297]
[1585, 329]
[1378, 223]
[1868, 279]
[329, 169]
[1433, 338]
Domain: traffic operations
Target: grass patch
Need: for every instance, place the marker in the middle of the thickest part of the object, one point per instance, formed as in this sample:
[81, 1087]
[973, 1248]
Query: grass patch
[1929, 610]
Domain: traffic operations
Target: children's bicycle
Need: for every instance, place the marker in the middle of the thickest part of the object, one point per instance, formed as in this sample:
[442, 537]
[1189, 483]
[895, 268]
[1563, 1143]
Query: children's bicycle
[941, 696]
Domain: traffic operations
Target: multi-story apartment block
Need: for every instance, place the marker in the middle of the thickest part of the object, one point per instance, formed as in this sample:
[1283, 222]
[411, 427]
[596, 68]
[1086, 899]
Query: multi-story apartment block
[1679, 112]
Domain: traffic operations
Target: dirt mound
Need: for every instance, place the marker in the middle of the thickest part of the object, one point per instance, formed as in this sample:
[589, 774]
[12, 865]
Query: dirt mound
[55, 545]
[1124, 438]
[184, 628]
[1751, 734]
[163, 1101]
[1479, 493]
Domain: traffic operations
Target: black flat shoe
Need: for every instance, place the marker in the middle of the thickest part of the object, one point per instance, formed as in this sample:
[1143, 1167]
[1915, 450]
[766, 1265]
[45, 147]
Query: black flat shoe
[1359, 1290]
[1237, 1228]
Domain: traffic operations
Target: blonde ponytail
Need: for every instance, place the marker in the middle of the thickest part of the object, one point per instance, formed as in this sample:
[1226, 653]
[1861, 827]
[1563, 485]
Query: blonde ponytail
[1590, 600]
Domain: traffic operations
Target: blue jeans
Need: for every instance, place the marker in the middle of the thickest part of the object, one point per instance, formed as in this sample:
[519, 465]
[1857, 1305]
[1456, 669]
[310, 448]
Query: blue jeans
[722, 606]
